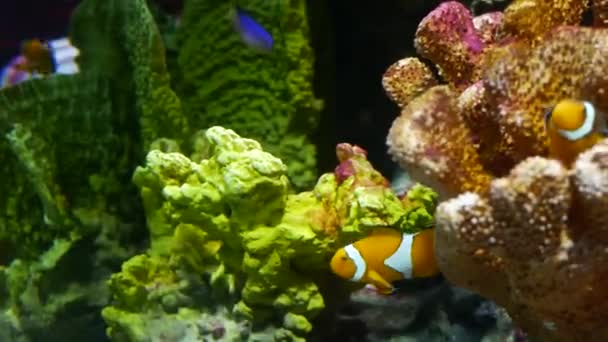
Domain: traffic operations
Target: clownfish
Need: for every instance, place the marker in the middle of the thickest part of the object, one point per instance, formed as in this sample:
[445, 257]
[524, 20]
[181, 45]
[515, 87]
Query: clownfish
[572, 127]
[387, 256]
[38, 57]
[43, 58]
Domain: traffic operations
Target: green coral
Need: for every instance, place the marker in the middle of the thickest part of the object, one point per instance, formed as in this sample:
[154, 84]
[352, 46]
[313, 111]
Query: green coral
[69, 214]
[52, 293]
[229, 221]
[69, 139]
[69, 146]
[422, 201]
[58, 136]
[120, 41]
[267, 97]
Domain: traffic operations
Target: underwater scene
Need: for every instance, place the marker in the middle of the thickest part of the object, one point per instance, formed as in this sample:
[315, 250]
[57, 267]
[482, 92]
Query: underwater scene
[304, 170]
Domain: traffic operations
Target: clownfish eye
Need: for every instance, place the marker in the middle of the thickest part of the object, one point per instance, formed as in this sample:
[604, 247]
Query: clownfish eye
[344, 258]
[548, 113]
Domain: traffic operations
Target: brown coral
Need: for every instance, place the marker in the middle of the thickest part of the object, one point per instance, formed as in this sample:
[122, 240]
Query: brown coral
[406, 79]
[487, 26]
[431, 139]
[600, 13]
[503, 112]
[540, 258]
[529, 19]
[448, 37]
[534, 239]
[568, 63]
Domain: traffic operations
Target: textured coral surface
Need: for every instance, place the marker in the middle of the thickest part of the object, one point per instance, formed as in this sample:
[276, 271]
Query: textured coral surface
[537, 245]
[226, 222]
[69, 213]
[523, 229]
[266, 97]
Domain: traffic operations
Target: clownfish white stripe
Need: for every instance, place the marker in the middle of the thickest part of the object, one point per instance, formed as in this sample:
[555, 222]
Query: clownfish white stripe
[356, 257]
[401, 259]
[585, 128]
[64, 56]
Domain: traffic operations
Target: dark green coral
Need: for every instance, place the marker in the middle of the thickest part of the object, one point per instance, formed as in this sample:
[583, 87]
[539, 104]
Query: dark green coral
[68, 211]
[58, 139]
[266, 97]
[120, 41]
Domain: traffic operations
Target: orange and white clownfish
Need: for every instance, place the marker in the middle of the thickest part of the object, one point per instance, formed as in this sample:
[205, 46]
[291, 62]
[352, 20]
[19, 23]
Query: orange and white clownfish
[386, 256]
[43, 58]
[573, 126]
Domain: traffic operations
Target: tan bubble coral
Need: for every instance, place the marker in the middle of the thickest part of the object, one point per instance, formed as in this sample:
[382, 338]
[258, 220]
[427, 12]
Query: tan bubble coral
[536, 240]
[430, 139]
[530, 19]
[540, 256]
[568, 63]
[502, 114]
[406, 79]
[447, 36]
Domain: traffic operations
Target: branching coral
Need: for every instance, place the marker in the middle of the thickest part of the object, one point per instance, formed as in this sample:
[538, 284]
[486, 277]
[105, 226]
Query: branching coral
[500, 114]
[406, 79]
[539, 240]
[600, 13]
[227, 220]
[435, 141]
[526, 231]
[531, 19]
[448, 36]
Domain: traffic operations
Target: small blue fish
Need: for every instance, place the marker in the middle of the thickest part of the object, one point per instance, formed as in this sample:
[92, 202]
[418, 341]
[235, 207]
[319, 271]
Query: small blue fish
[252, 33]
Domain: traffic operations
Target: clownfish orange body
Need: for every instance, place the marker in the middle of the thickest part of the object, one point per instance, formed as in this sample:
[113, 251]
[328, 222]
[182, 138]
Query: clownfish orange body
[573, 126]
[38, 57]
[386, 256]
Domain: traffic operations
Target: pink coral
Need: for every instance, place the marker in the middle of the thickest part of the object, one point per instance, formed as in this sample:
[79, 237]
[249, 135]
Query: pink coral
[568, 63]
[488, 26]
[502, 112]
[448, 37]
[353, 162]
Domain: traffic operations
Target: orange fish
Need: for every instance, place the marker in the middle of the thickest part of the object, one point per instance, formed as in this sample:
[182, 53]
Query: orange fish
[386, 256]
[573, 126]
[38, 57]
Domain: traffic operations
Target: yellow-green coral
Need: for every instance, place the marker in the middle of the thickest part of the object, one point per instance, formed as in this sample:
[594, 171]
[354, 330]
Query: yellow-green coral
[140, 278]
[272, 247]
